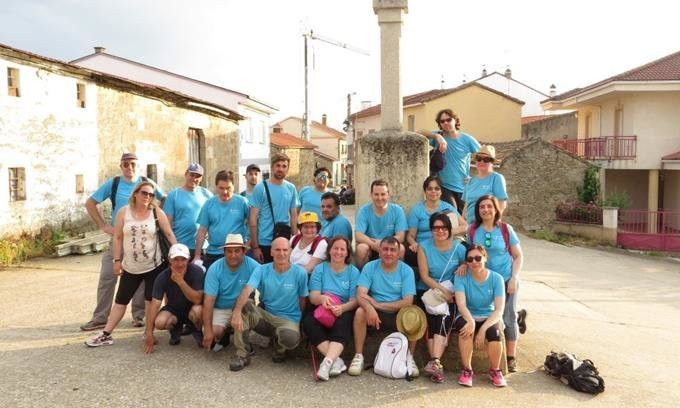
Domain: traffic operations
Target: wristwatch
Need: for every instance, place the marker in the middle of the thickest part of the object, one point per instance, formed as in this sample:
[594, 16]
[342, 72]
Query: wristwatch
[116, 260]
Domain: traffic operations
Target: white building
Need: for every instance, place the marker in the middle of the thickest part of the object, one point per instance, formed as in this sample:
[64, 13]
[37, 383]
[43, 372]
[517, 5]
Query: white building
[254, 130]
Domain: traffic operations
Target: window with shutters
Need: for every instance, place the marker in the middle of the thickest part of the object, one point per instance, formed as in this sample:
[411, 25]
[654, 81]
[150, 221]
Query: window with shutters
[80, 184]
[17, 184]
[13, 82]
[80, 95]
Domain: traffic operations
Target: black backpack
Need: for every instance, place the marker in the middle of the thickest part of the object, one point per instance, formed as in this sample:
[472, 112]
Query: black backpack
[580, 375]
[114, 190]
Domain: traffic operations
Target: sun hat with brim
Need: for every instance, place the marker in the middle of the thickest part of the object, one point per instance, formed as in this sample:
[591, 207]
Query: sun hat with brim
[412, 322]
[234, 240]
[178, 250]
[488, 150]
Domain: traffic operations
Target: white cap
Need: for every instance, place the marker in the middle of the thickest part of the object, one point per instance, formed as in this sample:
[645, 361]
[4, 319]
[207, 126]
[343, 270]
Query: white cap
[178, 250]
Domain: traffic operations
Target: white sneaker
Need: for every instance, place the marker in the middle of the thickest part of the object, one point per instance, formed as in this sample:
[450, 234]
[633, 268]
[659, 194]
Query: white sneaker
[324, 369]
[413, 366]
[357, 365]
[338, 367]
[99, 340]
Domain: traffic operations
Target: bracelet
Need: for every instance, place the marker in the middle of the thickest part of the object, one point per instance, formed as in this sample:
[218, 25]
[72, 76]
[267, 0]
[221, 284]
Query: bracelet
[116, 260]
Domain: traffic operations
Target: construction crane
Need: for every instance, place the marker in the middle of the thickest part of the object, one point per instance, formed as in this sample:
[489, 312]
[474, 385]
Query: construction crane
[312, 36]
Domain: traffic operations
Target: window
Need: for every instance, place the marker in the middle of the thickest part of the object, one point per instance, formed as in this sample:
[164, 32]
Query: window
[195, 151]
[152, 171]
[17, 184]
[618, 121]
[411, 123]
[263, 132]
[80, 184]
[80, 95]
[13, 82]
[277, 129]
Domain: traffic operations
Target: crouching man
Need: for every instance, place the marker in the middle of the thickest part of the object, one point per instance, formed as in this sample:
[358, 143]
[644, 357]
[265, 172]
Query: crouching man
[283, 291]
[182, 284]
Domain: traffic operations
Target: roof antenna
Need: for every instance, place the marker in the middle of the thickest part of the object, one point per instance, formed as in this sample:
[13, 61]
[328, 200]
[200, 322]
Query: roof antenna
[441, 82]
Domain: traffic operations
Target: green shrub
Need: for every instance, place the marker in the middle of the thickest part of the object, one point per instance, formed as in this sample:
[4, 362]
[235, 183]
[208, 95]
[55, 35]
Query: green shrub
[590, 191]
[618, 199]
[15, 250]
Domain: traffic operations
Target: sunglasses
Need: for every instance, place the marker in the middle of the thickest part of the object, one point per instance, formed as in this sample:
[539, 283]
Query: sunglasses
[322, 177]
[129, 165]
[447, 120]
[439, 228]
[477, 258]
[485, 159]
[487, 239]
[146, 193]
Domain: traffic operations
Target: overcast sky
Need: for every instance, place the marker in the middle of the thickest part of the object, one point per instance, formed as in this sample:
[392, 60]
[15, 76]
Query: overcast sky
[256, 46]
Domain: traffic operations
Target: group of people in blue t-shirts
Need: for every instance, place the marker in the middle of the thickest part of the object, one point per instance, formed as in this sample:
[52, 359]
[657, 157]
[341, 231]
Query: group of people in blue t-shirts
[273, 265]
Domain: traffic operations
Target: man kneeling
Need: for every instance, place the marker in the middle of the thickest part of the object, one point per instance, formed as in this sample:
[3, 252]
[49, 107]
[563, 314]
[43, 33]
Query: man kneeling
[385, 286]
[182, 284]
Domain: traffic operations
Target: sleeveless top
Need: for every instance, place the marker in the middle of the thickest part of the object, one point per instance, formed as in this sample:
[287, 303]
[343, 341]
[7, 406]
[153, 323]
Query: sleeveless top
[140, 244]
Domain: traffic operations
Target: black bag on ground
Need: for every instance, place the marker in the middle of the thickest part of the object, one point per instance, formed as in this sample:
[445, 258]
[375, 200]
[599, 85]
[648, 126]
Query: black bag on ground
[582, 375]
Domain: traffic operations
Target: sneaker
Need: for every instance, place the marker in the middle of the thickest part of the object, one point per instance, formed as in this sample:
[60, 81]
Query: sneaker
[357, 365]
[522, 320]
[432, 366]
[324, 369]
[466, 377]
[137, 322]
[92, 325]
[187, 329]
[237, 363]
[223, 342]
[175, 336]
[338, 367]
[413, 366]
[512, 364]
[279, 356]
[497, 379]
[100, 340]
[438, 376]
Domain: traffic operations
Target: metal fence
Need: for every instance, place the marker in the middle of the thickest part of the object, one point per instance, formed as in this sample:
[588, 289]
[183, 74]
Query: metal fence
[654, 230]
[601, 148]
[579, 213]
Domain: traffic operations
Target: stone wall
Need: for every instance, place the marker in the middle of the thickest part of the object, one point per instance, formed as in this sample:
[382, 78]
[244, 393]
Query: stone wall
[554, 127]
[301, 169]
[539, 176]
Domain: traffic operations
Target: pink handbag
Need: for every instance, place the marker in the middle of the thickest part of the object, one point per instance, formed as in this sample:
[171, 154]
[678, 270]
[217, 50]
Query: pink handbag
[325, 316]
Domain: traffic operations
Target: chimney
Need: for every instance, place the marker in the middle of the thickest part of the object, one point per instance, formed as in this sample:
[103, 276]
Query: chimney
[365, 105]
[484, 73]
[508, 73]
[323, 119]
[99, 50]
[553, 90]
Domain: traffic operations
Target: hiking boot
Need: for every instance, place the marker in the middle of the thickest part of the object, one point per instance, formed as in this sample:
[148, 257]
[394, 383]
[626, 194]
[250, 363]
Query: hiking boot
[198, 337]
[137, 322]
[466, 377]
[187, 329]
[413, 367]
[279, 356]
[522, 320]
[324, 369]
[512, 364]
[102, 339]
[92, 325]
[338, 367]
[237, 363]
[175, 335]
[357, 365]
[432, 366]
[497, 378]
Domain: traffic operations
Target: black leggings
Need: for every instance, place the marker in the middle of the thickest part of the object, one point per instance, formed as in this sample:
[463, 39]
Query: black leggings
[341, 332]
[493, 333]
[129, 282]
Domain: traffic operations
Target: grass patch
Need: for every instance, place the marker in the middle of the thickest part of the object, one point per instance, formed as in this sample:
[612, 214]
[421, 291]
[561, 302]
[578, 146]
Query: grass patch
[549, 235]
[17, 249]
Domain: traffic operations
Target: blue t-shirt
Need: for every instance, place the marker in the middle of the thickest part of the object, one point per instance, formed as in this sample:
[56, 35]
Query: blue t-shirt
[164, 286]
[221, 218]
[493, 184]
[310, 200]
[125, 189]
[284, 198]
[479, 296]
[457, 156]
[499, 259]
[281, 292]
[226, 285]
[339, 225]
[419, 218]
[437, 260]
[390, 223]
[183, 206]
[387, 287]
[343, 284]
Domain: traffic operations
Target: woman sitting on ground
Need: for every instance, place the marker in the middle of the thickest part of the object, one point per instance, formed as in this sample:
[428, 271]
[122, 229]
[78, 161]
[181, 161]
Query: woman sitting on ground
[438, 258]
[333, 287]
[308, 248]
[505, 257]
[480, 296]
[137, 256]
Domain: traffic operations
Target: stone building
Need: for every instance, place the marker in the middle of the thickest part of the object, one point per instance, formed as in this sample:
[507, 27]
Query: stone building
[539, 176]
[301, 153]
[550, 127]
[63, 129]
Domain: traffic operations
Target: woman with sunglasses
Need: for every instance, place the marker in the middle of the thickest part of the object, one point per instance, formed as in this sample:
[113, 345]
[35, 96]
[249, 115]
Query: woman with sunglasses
[438, 257]
[486, 181]
[480, 297]
[137, 256]
[505, 257]
[419, 226]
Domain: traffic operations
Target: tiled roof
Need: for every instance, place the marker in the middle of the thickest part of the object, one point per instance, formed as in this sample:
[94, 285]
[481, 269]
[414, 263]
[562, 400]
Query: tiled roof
[532, 119]
[672, 156]
[324, 155]
[286, 140]
[338, 134]
[430, 95]
[663, 69]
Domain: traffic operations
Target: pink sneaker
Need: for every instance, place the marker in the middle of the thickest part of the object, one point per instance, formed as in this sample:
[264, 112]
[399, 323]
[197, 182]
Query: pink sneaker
[432, 366]
[497, 379]
[466, 377]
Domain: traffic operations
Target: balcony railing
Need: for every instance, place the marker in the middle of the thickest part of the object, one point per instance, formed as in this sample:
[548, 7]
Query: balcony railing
[601, 148]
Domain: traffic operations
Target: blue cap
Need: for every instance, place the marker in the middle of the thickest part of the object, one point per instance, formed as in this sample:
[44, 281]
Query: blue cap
[195, 168]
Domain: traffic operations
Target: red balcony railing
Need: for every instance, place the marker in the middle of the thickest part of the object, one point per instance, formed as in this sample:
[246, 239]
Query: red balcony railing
[601, 148]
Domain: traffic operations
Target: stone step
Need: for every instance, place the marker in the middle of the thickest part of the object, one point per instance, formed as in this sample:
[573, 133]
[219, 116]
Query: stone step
[93, 242]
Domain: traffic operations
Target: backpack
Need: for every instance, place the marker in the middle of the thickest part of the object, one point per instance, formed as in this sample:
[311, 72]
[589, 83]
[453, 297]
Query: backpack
[315, 242]
[114, 189]
[580, 375]
[504, 231]
[392, 358]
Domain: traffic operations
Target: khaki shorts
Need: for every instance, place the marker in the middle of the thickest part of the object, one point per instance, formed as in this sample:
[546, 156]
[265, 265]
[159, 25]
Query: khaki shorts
[222, 317]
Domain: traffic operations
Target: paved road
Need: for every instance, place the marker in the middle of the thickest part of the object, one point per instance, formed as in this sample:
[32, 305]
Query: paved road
[618, 310]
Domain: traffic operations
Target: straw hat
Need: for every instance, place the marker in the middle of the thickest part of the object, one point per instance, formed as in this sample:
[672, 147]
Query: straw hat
[412, 322]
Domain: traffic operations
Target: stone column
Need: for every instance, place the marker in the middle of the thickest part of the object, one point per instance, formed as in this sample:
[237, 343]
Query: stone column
[610, 224]
[398, 157]
[653, 199]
